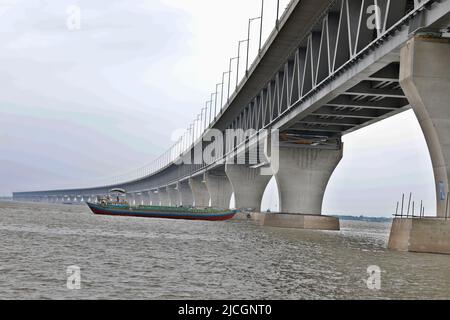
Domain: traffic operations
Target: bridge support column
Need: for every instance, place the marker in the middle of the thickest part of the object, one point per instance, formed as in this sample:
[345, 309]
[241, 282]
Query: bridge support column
[130, 199]
[187, 198]
[248, 186]
[174, 195]
[199, 191]
[164, 198]
[425, 79]
[139, 198]
[154, 198]
[146, 198]
[219, 188]
[302, 177]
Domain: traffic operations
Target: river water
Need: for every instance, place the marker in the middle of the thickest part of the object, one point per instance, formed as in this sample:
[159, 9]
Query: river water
[132, 258]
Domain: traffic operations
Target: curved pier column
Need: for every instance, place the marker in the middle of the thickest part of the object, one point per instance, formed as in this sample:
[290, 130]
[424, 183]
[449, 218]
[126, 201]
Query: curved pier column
[187, 198]
[302, 177]
[248, 186]
[130, 199]
[164, 199]
[154, 198]
[425, 79]
[174, 195]
[139, 198]
[199, 191]
[219, 188]
[146, 198]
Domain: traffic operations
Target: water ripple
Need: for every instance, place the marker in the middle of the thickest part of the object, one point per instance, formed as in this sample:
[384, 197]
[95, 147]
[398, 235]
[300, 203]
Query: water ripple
[131, 258]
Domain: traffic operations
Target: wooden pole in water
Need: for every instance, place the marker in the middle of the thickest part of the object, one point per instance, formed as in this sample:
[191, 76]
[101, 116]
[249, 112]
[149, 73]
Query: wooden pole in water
[413, 211]
[421, 207]
[409, 204]
[396, 210]
[403, 202]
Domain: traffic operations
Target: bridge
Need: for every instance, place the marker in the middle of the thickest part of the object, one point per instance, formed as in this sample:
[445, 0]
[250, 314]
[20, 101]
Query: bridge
[330, 67]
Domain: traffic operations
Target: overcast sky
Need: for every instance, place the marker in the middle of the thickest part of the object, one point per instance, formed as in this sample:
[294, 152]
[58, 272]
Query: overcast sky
[78, 106]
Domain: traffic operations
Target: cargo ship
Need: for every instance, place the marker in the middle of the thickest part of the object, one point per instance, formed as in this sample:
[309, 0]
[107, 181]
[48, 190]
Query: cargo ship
[161, 212]
[120, 207]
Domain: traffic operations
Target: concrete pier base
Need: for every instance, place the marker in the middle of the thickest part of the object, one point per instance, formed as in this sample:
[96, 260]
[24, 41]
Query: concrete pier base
[297, 221]
[303, 176]
[174, 195]
[154, 198]
[248, 186]
[187, 198]
[164, 199]
[428, 235]
[199, 192]
[219, 188]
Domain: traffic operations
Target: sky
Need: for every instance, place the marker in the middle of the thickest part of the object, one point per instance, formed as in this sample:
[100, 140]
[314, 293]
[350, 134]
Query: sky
[82, 103]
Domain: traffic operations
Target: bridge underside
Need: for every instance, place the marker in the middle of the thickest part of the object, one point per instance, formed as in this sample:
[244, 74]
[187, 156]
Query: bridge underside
[314, 81]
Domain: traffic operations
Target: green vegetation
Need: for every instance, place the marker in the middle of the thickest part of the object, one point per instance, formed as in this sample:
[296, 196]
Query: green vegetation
[363, 218]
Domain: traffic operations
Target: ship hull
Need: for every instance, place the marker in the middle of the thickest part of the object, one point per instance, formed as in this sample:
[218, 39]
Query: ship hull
[166, 214]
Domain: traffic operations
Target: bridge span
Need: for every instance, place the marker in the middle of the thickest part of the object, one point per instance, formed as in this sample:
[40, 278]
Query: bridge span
[330, 67]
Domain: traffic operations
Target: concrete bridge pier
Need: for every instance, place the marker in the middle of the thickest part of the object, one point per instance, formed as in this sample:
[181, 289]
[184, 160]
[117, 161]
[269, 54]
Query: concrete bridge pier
[164, 198]
[130, 199]
[174, 195]
[154, 198]
[219, 189]
[199, 191]
[302, 176]
[146, 198]
[136, 198]
[187, 198]
[248, 186]
[425, 79]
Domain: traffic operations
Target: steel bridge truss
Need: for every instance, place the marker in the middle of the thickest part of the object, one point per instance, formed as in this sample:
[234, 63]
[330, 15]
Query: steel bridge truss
[348, 30]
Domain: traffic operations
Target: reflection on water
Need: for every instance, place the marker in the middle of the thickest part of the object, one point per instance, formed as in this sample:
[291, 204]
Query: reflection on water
[131, 258]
